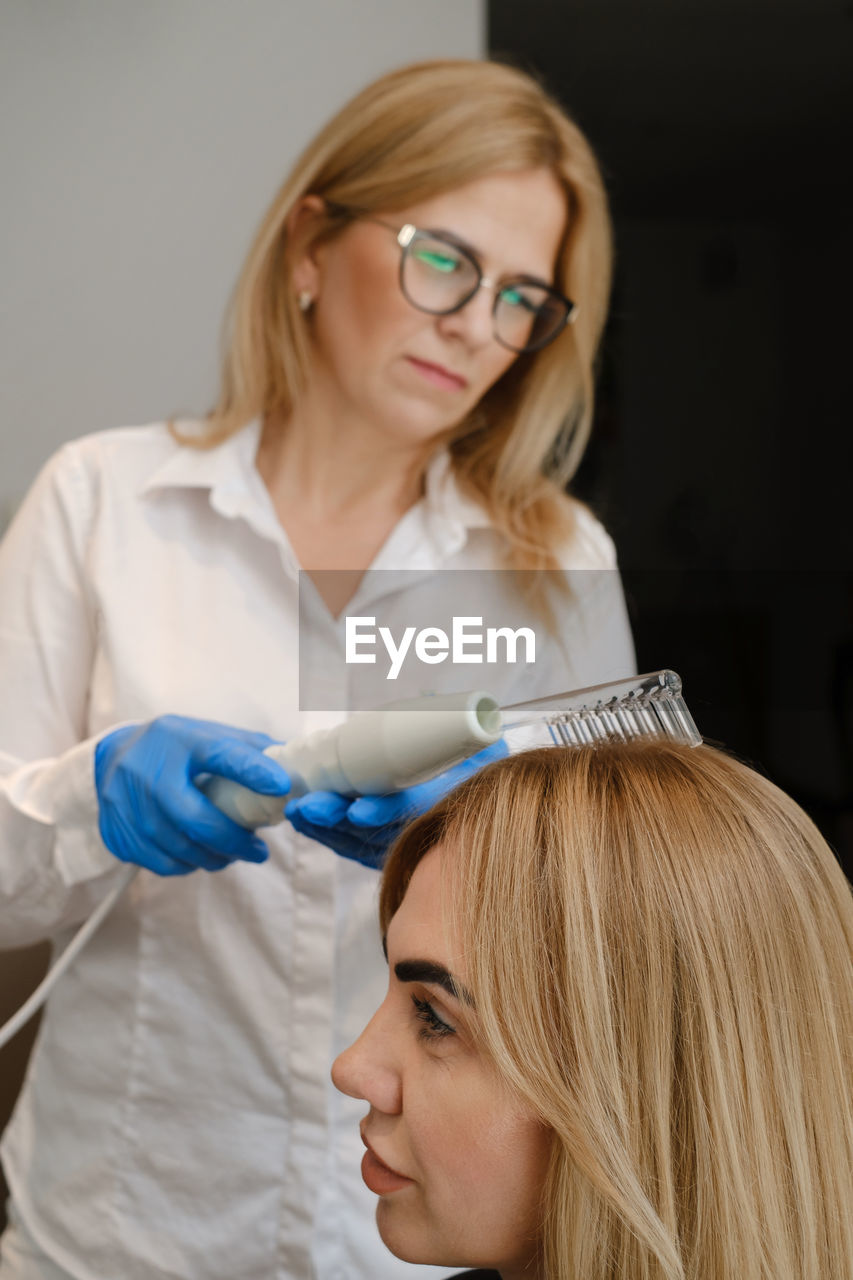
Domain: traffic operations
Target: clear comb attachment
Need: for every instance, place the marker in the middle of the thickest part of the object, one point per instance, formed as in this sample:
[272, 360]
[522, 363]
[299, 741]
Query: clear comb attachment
[649, 706]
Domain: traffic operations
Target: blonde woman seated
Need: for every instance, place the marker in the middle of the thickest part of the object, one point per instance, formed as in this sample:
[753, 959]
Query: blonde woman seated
[618, 1034]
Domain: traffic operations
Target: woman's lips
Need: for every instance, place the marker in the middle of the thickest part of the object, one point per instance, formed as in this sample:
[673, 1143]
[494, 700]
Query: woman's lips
[378, 1177]
[438, 375]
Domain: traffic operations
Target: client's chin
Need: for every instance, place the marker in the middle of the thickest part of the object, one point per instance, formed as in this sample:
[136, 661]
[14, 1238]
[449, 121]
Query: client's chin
[413, 1241]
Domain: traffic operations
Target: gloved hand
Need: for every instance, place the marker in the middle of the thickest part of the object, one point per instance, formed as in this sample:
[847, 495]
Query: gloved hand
[365, 828]
[152, 813]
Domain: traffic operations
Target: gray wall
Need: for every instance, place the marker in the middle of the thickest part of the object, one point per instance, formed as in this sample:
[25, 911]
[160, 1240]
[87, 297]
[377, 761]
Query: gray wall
[140, 145]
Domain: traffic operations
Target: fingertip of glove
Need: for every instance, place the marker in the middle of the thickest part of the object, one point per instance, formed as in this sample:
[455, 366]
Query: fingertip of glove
[321, 809]
[269, 778]
[377, 811]
[364, 812]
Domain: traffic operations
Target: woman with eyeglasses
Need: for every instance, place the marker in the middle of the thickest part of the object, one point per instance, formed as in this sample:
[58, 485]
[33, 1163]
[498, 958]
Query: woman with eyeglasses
[617, 1037]
[408, 385]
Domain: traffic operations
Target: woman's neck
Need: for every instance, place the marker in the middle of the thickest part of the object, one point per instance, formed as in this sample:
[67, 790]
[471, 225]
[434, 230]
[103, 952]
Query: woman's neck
[338, 495]
[335, 471]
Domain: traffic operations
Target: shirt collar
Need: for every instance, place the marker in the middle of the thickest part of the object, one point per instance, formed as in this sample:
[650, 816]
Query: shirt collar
[228, 471]
[222, 468]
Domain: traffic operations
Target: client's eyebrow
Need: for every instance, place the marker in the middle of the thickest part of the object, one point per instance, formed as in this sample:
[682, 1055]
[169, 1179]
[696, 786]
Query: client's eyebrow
[435, 974]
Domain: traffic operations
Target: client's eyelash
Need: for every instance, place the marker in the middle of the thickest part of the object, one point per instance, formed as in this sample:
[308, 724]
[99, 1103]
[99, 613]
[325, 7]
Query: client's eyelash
[433, 1026]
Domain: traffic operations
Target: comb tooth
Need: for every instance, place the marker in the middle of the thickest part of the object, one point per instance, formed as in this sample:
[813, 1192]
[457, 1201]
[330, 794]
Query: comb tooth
[594, 725]
[684, 719]
[576, 729]
[582, 730]
[592, 721]
[572, 731]
[621, 719]
[646, 721]
[628, 721]
[585, 728]
[561, 731]
[669, 721]
[618, 720]
[611, 725]
[650, 719]
[605, 722]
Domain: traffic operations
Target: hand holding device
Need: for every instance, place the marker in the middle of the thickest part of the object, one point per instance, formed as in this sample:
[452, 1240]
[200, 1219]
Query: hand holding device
[151, 811]
[365, 828]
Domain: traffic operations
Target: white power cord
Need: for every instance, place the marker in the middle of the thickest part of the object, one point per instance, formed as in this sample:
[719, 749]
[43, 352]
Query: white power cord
[75, 946]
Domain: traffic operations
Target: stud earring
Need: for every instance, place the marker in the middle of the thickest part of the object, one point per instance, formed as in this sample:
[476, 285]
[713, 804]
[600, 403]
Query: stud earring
[304, 299]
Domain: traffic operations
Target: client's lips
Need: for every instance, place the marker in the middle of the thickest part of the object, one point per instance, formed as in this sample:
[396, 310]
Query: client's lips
[438, 375]
[379, 1177]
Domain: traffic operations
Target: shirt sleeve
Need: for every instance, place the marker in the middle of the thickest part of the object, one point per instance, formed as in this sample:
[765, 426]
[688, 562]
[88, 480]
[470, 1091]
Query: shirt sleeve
[53, 864]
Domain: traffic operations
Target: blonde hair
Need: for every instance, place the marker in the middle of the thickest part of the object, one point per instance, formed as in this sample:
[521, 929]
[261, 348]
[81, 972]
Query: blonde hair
[660, 947]
[412, 134]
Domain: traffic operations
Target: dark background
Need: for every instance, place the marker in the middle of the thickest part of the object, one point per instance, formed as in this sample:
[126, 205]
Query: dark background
[720, 458]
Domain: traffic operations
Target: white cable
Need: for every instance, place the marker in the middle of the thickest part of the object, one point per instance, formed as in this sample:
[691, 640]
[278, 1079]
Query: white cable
[76, 945]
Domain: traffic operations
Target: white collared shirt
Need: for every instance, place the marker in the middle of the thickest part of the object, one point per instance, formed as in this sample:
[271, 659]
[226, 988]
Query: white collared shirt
[178, 1119]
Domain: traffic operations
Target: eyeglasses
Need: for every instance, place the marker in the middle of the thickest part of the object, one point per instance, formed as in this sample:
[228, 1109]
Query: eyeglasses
[440, 277]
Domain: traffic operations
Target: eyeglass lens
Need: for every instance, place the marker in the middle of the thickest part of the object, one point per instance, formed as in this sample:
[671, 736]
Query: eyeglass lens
[439, 277]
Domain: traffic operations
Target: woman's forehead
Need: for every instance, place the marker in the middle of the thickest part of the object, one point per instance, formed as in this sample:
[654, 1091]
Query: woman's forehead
[419, 926]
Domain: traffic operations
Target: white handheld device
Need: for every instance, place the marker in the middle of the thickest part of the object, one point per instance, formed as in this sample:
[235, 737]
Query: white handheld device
[372, 753]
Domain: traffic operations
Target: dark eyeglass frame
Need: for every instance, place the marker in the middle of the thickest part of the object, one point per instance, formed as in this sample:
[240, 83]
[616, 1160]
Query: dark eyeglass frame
[408, 234]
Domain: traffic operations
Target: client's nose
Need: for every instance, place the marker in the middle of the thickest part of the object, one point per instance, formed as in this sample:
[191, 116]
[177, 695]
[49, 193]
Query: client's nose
[367, 1070]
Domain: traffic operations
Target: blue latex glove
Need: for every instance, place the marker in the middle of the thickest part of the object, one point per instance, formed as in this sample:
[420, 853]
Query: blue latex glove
[365, 828]
[151, 811]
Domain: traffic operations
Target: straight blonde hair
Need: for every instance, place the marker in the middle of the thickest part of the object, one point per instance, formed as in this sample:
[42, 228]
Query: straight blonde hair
[412, 134]
[660, 948]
